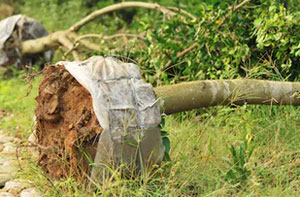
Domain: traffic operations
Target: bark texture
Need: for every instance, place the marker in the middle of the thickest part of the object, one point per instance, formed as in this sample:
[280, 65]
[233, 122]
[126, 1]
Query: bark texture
[193, 95]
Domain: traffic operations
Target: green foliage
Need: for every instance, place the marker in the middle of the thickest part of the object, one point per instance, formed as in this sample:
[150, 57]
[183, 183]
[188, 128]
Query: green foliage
[199, 151]
[238, 174]
[227, 47]
[230, 44]
[258, 40]
[165, 140]
[276, 33]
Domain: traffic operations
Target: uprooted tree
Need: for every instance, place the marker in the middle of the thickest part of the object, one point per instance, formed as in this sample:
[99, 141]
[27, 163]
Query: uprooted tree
[67, 126]
[216, 92]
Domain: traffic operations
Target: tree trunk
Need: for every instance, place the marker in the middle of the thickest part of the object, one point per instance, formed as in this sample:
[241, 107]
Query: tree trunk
[68, 130]
[193, 95]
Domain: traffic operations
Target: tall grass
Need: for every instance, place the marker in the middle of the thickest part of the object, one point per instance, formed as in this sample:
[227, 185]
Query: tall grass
[201, 156]
[210, 147]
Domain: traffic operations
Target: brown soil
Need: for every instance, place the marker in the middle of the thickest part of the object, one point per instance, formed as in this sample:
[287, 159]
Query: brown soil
[67, 127]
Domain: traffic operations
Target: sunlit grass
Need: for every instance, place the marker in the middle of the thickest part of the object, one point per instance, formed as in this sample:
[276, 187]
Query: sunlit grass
[19, 108]
[200, 155]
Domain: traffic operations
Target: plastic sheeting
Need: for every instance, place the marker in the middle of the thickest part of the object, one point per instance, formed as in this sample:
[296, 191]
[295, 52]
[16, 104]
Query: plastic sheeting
[15, 29]
[127, 111]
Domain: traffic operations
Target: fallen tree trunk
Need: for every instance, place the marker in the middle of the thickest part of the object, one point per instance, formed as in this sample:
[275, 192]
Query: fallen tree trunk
[192, 95]
[68, 130]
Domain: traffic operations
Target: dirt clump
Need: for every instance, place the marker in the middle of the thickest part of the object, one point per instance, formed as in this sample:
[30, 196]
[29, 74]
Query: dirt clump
[67, 128]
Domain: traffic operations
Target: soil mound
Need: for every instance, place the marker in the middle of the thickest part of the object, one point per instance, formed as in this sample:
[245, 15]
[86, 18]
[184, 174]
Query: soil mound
[67, 128]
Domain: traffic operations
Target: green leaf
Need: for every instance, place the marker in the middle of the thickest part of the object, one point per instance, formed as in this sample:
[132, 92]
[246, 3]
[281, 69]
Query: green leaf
[164, 133]
[167, 144]
[131, 143]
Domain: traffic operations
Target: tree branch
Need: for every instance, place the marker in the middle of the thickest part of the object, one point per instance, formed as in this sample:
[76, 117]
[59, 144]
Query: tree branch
[183, 12]
[120, 6]
[69, 45]
[182, 53]
[85, 43]
[232, 9]
[53, 40]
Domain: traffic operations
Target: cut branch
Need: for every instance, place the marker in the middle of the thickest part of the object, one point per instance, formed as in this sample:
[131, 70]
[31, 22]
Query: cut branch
[120, 6]
[183, 12]
[182, 53]
[232, 9]
[56, 39]
[85, 43]
[42, 44]
[69, 45]
[193, 95]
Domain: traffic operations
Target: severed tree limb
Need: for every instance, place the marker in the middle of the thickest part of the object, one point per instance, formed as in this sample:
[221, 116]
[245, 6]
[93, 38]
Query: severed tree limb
[63, 40]
[53, 40]
[183, 12]
[232, 9]
[120, 6]
[192, 95]
[182, 53]
[42, 44]
[76, 39]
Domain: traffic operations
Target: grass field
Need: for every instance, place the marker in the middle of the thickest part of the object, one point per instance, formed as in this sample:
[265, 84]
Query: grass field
[210, 151]
[217, 151]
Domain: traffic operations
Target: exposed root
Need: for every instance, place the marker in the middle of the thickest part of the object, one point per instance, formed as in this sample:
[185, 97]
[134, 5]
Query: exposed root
[67, 123]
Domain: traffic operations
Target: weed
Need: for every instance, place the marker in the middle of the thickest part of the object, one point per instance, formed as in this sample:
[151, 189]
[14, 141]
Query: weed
[239, 173]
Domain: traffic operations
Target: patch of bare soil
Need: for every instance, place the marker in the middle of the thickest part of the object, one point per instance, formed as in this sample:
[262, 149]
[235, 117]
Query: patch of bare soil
[67, 128]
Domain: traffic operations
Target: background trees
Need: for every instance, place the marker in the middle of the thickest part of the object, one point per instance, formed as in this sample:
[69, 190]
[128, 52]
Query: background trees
[258, 39]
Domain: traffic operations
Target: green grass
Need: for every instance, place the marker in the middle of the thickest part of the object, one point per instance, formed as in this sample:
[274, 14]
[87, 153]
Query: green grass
[19, 108]
[200, 151]
[208, 152]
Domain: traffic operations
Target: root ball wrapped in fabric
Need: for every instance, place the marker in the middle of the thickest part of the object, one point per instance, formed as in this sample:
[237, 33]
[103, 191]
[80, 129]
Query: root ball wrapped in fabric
[74, 96]
[14, 30]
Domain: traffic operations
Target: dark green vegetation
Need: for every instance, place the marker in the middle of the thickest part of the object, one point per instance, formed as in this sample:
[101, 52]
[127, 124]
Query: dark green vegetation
[220, 151]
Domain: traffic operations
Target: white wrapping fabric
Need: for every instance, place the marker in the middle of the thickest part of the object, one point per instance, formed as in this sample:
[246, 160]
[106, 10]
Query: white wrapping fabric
[127, 111]
[25, 25]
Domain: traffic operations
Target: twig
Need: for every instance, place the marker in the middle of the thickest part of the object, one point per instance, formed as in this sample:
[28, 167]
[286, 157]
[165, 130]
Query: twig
[140, 36]
[232, 10]
[29, 79]
[183, 12]
[120, 6]
[182, 53]
[69, 45]
[85, 43]
[92, 46]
